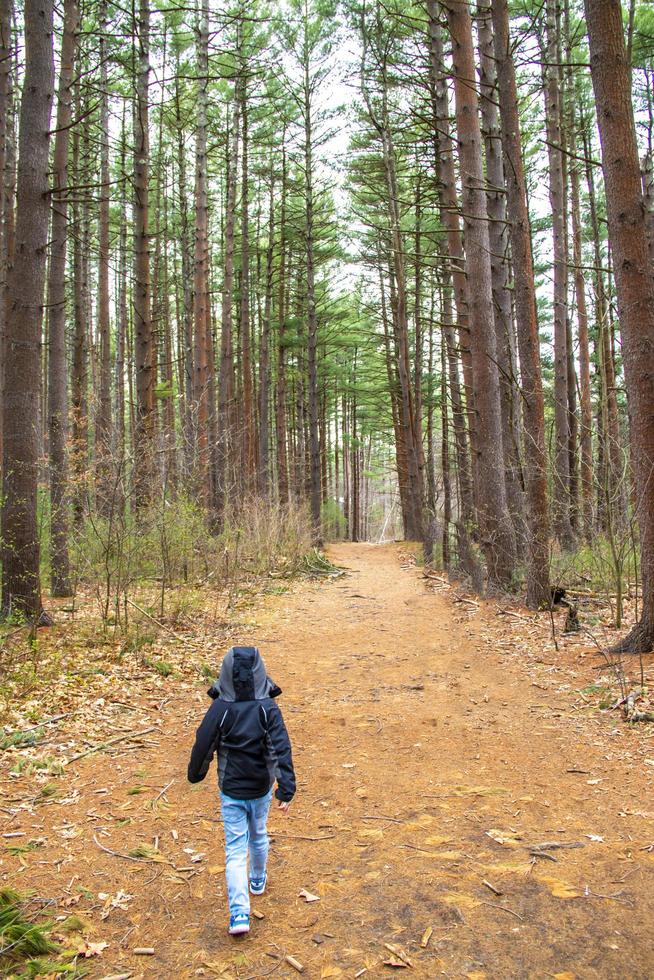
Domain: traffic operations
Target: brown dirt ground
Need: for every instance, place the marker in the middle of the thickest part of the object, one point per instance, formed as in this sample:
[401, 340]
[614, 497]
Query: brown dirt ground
[420, 726]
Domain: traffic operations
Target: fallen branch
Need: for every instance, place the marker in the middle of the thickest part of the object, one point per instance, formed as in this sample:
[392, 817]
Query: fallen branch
[48, 721]
[553, 845]
[274, 833]
[166, 787]
[494, 905]
[118, 854]
[101, 746]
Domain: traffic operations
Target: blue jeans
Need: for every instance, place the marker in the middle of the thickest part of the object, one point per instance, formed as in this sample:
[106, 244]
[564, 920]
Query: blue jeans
[245, 831]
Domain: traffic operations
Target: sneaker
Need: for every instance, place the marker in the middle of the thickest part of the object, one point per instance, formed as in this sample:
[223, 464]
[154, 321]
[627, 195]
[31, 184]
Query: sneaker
[239, 923]
[258, 885]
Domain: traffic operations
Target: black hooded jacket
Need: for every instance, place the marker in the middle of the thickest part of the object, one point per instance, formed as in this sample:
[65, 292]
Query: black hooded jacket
[245, 728]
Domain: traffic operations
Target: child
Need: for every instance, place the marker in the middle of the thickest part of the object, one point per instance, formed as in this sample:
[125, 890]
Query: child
[245, 728]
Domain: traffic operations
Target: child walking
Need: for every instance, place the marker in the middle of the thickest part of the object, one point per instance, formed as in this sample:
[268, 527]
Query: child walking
[245, 728]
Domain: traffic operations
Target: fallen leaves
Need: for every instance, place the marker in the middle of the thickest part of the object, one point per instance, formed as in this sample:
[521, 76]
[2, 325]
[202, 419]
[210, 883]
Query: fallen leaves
[87, 949]
[307, 896]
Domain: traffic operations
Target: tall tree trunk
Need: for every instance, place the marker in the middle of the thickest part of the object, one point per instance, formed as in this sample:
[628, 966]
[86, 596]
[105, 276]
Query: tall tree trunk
[552, 87]
[498, 236]
[187, 368]
[533, 409]
[57, 363]
[226, 384]
[201, 319]
[280, 388]
[21, 588]
[498, 541]
[633, 279]
[263, 475]
[144, 337]
[449, 214]
[312, 317]
[586, 426]
[247, 462]
[103, 418]
[6, 177]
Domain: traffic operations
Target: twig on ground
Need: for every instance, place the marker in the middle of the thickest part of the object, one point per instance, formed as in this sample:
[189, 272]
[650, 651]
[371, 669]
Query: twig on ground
[390, 819]
[495, 905]
[101, 746]
[274, 833]
[48, 721]
[166, 787]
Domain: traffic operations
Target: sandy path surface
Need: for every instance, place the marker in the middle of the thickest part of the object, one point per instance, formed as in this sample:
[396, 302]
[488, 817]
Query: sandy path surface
[433, 763]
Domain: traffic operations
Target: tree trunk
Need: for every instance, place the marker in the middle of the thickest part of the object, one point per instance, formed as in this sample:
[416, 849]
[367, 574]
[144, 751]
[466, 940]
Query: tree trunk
[103, 418]
[498, 236]
[201, 266]
[6, 178]
[226, 383]
[633, 279]
[449, 214]
[245, 329]
[498, 541]
[21, 589]
[533, 409]
[312, 319]
[280, 388]
[263, 474]
[57, 363]
[552, 88]
[586, 440]
[144, 431]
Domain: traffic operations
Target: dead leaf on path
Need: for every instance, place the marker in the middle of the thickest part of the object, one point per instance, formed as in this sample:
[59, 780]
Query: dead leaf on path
[303, 893]
[87, 949]
[216, 869]
[559, 889]
[362, 793]
[118, 901]
[509, 837]
[437, 841]
[426, 936]
[566, 975]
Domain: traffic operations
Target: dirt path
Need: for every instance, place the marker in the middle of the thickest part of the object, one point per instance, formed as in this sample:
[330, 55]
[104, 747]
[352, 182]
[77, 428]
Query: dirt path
[432, 761]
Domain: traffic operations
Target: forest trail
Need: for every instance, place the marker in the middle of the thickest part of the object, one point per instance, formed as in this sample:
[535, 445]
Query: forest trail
[436, 753]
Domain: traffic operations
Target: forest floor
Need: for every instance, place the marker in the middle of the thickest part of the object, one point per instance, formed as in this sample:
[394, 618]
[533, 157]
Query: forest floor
[464, 807]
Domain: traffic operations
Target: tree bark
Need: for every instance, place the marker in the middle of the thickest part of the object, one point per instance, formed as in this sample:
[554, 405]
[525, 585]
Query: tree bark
[552, 88]
[201, 265]
[498, 541]
[633, 279]
[533, 408]
[103, 418]
[144, 431]
[57, 362]
[21, 588]
[498, 237]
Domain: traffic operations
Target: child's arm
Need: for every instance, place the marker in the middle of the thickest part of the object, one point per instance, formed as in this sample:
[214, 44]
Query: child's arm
[207, 739]
[282, 747]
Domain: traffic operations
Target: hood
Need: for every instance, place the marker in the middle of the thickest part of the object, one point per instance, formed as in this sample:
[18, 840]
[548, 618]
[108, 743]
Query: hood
[243, 677]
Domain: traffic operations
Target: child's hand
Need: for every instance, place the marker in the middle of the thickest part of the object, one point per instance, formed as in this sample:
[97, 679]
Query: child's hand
[283, 805]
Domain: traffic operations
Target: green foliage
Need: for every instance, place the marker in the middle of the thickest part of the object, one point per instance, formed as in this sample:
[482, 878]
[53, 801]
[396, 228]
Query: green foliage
[20, 938]
[333, 520]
